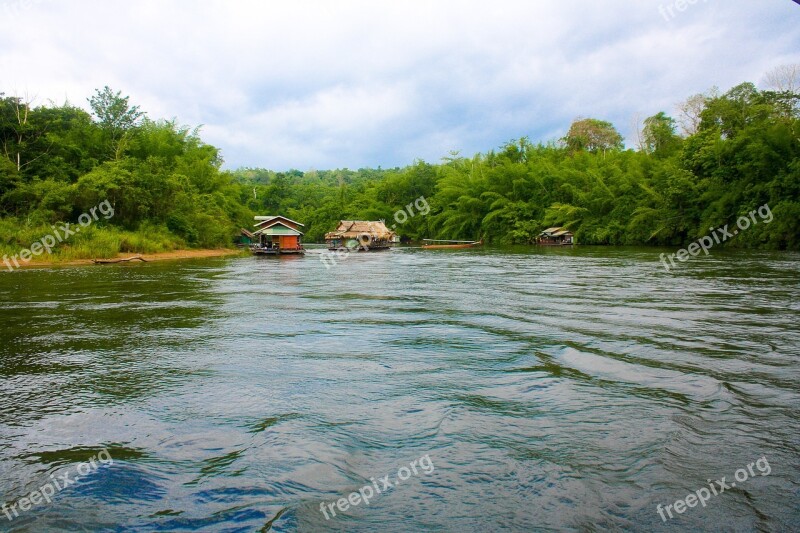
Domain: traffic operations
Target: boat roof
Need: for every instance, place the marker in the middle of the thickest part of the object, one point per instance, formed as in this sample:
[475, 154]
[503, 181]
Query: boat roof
[445, 240]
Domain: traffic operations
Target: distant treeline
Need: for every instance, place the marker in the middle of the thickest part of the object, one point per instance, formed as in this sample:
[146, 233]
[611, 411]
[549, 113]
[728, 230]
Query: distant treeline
[735, 152]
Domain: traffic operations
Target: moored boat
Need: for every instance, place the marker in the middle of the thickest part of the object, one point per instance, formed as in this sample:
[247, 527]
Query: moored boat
[556, 236]
[435, 244]
[361, 235]
[277, 235]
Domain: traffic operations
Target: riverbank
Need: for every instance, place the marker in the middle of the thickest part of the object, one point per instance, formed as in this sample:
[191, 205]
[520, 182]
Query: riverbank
[40, 262]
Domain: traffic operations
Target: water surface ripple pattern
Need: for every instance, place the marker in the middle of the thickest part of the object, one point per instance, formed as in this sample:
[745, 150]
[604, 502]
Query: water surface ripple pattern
[552, 389]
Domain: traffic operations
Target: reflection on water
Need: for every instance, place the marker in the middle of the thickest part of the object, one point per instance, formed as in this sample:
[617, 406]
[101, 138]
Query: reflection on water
[552, 389]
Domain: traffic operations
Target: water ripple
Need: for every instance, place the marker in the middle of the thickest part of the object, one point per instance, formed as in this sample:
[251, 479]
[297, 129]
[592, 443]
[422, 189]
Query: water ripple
[553, 389]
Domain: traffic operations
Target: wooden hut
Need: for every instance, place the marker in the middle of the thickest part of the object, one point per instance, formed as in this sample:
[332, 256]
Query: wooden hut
[556, 237]
[360, 235]
[277, 235]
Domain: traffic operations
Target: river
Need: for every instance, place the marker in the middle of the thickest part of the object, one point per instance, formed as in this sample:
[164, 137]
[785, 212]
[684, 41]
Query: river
[511, 389]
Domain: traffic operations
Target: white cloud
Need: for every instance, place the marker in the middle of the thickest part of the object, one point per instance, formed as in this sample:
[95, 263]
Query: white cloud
[320, 83]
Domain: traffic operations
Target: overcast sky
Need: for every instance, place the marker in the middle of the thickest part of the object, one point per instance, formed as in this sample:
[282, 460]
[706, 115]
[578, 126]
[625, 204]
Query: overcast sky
[340, 83]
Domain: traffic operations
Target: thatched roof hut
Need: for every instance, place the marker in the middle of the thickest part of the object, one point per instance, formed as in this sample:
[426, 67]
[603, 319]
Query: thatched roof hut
[556, 235]
[352, 229]
[367, 233]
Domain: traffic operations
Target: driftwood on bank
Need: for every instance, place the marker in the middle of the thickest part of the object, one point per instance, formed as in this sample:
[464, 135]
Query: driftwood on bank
[109, 261]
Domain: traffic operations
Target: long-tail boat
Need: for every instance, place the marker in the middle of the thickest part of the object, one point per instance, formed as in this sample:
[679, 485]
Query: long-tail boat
[435, 244]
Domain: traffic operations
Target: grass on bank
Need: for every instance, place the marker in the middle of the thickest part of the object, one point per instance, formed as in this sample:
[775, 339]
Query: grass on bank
[91, 242]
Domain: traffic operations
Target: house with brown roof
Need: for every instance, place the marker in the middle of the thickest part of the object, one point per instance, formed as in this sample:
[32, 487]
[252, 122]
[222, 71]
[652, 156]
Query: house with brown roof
[360, 235]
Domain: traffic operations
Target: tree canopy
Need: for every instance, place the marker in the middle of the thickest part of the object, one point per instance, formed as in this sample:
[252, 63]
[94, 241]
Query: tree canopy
[593, 135]
[739, 150]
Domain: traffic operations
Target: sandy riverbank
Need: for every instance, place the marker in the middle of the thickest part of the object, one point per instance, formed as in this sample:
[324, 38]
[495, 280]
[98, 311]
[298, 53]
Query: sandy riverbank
[163, 256]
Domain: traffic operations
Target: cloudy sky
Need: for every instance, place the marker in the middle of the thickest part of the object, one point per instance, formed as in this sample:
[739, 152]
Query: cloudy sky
[339, 83]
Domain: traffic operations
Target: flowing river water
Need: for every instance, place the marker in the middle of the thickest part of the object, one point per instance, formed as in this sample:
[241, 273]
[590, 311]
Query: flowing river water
[512, 389]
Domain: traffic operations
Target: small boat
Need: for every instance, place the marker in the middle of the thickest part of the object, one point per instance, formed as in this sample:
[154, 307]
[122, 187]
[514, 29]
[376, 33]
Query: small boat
[436, 244]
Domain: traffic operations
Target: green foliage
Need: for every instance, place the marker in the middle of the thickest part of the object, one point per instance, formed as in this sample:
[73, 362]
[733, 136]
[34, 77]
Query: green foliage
[163, 182]
[167, 190]
[744, 155]
[114, 113]
[659, 135]
[593, 135]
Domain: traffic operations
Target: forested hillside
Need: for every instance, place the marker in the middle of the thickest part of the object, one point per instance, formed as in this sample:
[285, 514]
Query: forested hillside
[734, 152]
[163, 182]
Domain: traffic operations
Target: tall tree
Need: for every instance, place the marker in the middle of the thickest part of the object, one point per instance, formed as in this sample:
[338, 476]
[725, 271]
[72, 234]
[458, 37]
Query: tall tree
[593, 135]
[659, 134]
[785, 82]
[17, 131]
[115, 115]
[784, 78]
[691, 109]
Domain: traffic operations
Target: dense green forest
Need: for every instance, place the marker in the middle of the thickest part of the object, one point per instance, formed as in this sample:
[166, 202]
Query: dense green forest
[734, 152]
